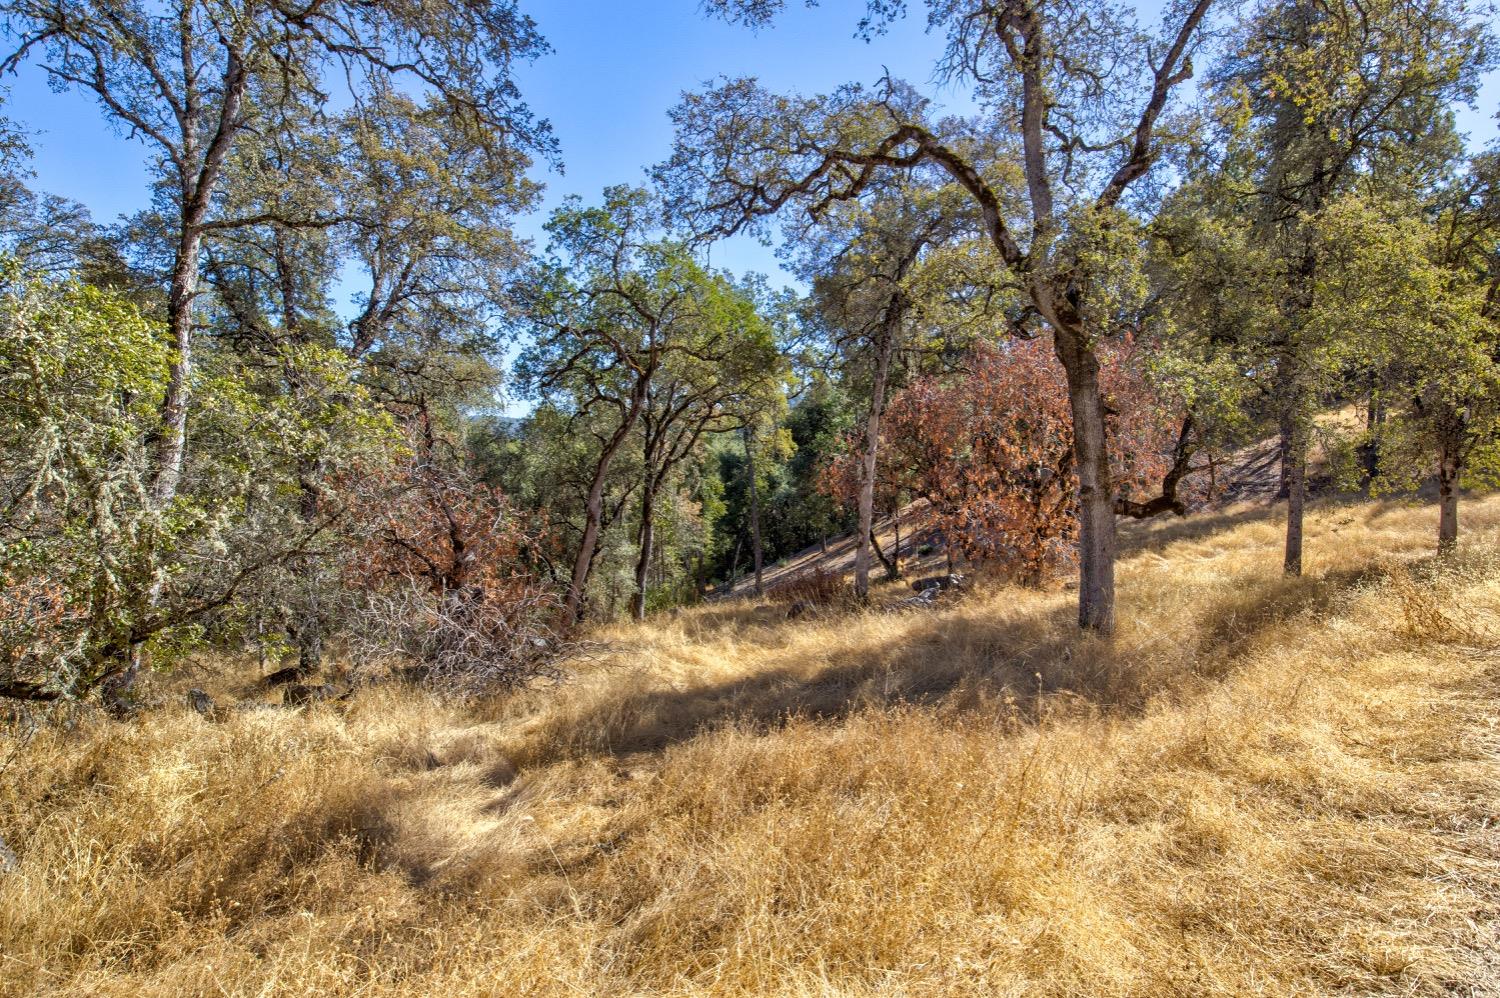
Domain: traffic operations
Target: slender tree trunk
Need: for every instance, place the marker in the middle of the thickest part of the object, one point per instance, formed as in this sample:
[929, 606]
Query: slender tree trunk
[1449, 468]
[197, 193]
[883, 348]
[1285, 431]
[660, 576]
[755, 545]
[310, 627]
[171, 445]
[1288, 415]
[896, 551]
[593, 522]
[1370, 452]
[171, 442]
[310, 644]
[1296, 399]
[892, 571]
[1296, 459]
[647, 538]
[1294, 433]
[584, 562]
[1096, 501]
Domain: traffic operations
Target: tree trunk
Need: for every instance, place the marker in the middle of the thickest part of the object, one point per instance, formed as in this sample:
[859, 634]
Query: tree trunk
[896, 551]
[660, 577]
[171, 442]
[1370, 451]
[1296, 464]
[584, 562]
[1293, 423]
[1284, 433]
[310, 627]
[1288, 415]
[197, 193]
[647, 538]
[1447, 513]
[310, 642]
[1096, 504]
[868, 464]
[755, 546]
[892, 572]
[1449, 469]
[171, 446]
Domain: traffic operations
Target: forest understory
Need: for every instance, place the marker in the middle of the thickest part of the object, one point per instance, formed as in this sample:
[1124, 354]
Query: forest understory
[1260, 785]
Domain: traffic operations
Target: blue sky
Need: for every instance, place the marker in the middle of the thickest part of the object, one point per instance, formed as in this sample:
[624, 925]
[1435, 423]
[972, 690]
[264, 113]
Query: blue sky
[615, 70]
[618, 67]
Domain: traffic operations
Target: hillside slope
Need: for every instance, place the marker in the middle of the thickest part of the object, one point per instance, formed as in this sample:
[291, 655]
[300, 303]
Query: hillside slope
[1260, 786]
[1248, 475]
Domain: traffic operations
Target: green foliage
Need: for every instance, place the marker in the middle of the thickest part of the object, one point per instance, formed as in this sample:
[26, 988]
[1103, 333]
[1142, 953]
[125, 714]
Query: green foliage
[94, 568]
[1106, 250]
[1413, 306]
[82, 372]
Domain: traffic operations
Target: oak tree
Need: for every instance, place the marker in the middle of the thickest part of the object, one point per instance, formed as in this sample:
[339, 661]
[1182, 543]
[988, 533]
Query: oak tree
[1072, 98]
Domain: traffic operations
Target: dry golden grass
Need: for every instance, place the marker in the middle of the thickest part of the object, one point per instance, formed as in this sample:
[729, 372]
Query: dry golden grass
[1259, 787]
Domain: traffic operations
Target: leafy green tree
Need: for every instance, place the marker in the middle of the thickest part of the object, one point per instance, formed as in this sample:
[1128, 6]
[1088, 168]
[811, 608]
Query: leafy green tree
[426, 208]
[804, 513]
[1321, 97]
[766, 444]
[77, 544]
[1422, 287]
[629, 329]
[721, 371]
[93, 567]
[193, 78]
[546, 463]
[1210, 283]
[864, 263]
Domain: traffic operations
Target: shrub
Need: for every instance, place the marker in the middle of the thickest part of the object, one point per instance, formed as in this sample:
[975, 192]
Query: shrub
[440, 587]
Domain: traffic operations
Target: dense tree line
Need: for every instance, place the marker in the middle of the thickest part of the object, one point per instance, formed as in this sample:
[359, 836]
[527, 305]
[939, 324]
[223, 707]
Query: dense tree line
[1142, 250]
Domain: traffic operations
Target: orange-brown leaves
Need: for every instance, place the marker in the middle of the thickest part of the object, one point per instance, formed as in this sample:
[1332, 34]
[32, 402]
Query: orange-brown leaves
[991, 451]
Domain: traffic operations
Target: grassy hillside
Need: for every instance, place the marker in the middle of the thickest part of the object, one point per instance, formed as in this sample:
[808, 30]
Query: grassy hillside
[1261, 786]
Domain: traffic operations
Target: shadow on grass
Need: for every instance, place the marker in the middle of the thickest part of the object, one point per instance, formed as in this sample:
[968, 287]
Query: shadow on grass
[1155, 534]
[734, 617]
[727, 617]
[966, 657]
[1147, 535]
[1230, 626]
